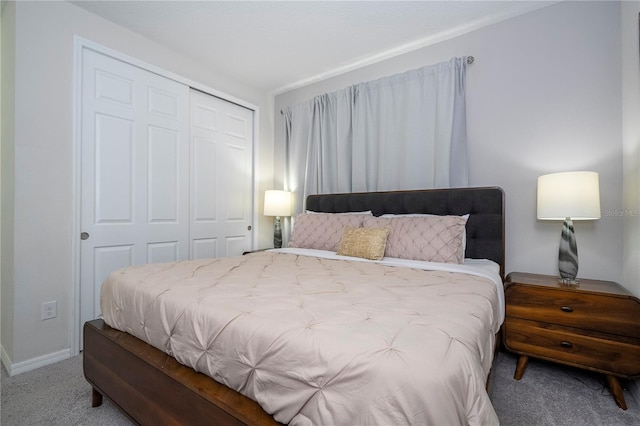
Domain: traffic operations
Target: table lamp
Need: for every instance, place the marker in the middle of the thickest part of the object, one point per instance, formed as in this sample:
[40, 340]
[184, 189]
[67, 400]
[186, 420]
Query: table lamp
[568, 196]
[277, 203]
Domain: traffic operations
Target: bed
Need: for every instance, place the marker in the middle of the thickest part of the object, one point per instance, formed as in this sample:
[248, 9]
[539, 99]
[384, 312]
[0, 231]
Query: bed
[305, 335]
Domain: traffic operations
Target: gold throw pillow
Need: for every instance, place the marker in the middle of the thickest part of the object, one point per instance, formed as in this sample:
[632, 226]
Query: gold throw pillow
[368, 243]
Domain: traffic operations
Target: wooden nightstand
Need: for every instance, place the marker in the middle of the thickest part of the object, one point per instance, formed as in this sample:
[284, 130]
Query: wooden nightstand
[594, 325]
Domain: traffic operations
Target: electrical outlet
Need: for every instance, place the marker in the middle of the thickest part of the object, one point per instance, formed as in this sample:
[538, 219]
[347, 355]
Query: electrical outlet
[49, 310]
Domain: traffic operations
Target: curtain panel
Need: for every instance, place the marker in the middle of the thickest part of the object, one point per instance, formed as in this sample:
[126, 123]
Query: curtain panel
[406, 131]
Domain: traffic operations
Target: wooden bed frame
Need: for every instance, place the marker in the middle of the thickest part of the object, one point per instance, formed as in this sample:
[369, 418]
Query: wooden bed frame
[151, 387]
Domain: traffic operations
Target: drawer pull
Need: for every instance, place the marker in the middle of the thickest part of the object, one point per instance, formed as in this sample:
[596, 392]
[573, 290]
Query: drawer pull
[566, 309]
[566, 344]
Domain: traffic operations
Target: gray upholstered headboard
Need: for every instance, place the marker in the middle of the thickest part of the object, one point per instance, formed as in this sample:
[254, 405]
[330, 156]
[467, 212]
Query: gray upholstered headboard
[485, 206]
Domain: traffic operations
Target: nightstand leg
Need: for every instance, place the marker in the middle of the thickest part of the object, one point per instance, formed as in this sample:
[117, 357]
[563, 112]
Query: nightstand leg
[522, 363]
[616, 391]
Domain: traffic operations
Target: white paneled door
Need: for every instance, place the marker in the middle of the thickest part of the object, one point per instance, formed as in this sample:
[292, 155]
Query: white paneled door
[222, 151]
[166, 173]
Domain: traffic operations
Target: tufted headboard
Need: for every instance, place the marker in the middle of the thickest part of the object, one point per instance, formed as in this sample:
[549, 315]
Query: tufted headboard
[485, 206]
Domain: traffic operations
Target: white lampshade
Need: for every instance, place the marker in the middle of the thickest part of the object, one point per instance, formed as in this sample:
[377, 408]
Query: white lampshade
[277, 203]
[574, 195]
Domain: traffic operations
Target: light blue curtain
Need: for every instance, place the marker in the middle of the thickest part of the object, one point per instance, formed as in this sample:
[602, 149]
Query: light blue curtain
[406, 131]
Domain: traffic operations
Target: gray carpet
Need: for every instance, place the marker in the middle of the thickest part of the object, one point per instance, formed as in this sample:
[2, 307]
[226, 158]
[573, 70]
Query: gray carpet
[556, 395]
[547, 395]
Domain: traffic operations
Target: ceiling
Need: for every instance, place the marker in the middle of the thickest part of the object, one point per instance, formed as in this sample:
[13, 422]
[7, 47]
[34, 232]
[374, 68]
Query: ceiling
[274, 46]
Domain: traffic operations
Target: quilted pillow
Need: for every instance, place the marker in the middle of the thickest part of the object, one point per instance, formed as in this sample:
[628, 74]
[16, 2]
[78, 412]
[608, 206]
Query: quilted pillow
[464, 234]
[368, 243]
[322, 231]
[366, 212]
[429, 238]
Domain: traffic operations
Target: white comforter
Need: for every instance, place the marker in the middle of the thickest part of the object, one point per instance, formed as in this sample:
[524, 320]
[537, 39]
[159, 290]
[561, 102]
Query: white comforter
[323, 341]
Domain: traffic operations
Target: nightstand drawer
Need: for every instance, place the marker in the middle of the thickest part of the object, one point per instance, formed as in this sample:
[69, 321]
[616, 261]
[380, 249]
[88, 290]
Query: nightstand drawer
[570, 346]
[603, 313]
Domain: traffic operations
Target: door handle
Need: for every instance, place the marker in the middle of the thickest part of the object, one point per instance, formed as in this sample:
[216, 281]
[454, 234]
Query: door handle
[84, 236]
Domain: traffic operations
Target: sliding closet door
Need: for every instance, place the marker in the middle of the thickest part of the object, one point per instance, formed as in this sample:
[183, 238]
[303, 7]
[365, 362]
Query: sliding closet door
[222, 178]
[134, 172]
[166, 173]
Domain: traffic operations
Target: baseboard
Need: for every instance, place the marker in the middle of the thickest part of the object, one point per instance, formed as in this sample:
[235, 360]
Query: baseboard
[33, 363]
[4, 358]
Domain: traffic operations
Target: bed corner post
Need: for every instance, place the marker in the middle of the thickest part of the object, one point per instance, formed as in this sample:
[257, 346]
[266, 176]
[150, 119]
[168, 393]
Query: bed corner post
[96, 398]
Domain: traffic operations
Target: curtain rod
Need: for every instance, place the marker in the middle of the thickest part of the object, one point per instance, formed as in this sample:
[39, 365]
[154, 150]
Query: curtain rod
[470, 60]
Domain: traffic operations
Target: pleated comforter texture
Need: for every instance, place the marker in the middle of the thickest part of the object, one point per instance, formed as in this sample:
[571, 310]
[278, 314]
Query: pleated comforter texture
[320, 341]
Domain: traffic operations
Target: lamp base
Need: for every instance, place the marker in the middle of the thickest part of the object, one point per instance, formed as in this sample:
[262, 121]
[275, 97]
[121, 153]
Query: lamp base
[277, 233]
[569, 282]
[568, 253]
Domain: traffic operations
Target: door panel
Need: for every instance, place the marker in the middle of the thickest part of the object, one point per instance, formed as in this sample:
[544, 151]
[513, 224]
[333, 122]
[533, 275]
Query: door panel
[222, 178]
[162, 252]
[163, 179]
[204, 248]
[112, 87]
[236, 201]
[113, 192]
[107, 260]
[134, 171]
[204, 183]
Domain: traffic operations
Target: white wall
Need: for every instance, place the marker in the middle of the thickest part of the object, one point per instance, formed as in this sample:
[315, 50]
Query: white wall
[630, 17]
[631, 143]
[6, 175]
[43, 164]
[543, 95]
